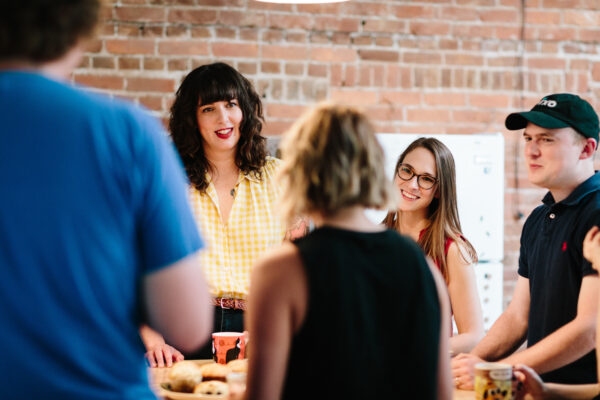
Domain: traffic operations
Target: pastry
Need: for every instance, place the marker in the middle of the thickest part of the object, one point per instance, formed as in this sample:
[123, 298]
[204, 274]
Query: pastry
[184, 376]
[212, 388]
[214, 371]
[238, 365]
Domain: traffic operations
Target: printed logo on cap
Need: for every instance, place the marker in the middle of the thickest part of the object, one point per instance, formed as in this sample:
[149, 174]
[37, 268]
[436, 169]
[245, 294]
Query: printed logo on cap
[548, 103]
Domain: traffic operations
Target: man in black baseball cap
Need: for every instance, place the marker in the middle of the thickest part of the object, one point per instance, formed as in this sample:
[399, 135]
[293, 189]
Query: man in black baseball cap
[560, 110]
[555, 300]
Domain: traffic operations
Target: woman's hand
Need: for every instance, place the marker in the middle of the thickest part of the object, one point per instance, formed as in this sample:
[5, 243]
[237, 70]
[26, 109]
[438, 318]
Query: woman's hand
[591, 247]
[162, 355]
[528, 383]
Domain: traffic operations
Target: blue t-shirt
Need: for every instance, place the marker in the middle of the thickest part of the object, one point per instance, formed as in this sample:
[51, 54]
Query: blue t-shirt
[93, 198]
[552, 259]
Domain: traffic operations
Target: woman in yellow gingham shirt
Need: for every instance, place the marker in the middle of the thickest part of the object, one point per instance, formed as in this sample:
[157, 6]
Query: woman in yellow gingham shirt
[215, 123]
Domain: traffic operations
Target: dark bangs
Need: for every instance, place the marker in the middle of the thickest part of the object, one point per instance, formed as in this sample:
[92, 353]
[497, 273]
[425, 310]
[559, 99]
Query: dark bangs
[220, 83]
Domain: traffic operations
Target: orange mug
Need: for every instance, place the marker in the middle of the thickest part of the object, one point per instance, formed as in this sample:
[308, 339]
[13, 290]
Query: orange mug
[228, 346]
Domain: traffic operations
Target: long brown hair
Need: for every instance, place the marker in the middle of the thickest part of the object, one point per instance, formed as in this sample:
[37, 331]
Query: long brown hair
[443, 211]
[208, 84]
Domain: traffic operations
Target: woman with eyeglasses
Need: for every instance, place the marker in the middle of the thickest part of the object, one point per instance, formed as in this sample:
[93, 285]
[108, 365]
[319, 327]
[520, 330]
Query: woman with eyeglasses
[427, 212]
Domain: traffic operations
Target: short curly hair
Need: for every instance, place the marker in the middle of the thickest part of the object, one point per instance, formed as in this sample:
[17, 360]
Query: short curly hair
[44, 30]
[205, 85]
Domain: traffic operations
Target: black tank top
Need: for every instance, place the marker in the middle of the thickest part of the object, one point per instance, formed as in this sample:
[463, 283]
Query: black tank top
[372, 324]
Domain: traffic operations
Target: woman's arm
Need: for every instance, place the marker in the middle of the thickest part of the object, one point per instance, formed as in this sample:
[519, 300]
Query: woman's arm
[462, 288]
[158, 353]
[277, 304]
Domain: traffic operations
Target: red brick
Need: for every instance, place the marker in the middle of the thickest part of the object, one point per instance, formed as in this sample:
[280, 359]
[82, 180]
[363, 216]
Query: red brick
[192, 16]
[546, 63]
[378, 55]
[427, 115]
[284, 52]
[129, 63]
[329, 54]
[589, 35]
[553, 33]
[319, 9]
[247, 68]
[421, 58]
[496, 15]
[150, 85]
[154, 63]
[294, 69]
[489, 100]
[151, 102]
[460, 13]
[242, 19]
[336, 24]
[140, 14]
[100, 81]
[130, 46]
[463, 59]
[186, 47]
[319, 70]
[445, 99]
[282, 21]
[225, 33]
[354, 96]
[412, 11]
[103, 62]
[582, 18]
[270, 67]
[542, 17]
[402, 98]
[429, 28]
[284, 111]
[198, 31]
[363, 8]
[178, 64]
[234, 50]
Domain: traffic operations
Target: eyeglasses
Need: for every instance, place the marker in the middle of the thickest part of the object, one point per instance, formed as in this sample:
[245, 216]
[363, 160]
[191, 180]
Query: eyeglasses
[425, 181]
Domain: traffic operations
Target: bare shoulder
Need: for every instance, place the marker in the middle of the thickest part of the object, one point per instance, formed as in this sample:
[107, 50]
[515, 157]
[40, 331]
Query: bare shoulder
[458, 255]
[279, 270]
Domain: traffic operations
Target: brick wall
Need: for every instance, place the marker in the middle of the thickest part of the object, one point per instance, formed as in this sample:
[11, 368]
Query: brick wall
[423, 66]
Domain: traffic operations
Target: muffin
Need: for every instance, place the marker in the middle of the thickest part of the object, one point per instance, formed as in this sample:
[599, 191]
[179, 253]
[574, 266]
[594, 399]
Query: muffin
[214, 372]
[238, 365]
[212, 388]
[184, 376]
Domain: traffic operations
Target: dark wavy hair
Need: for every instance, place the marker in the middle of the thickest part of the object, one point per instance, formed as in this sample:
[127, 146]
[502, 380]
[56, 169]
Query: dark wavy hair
[205, 85]
[44, 30]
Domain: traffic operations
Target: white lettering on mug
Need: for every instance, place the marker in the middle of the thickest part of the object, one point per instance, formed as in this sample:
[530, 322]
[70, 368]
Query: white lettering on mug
[547, 103]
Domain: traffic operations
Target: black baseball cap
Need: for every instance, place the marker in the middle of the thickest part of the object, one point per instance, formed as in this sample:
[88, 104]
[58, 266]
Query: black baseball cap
[559, 110]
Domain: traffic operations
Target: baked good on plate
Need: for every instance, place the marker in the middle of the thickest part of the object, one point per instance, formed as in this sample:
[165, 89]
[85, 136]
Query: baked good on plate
[238, 365]
[214, 371]
[212, 388]
[184, 376]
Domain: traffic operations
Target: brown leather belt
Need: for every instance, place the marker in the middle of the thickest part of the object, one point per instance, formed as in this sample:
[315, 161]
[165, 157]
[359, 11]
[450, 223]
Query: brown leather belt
[235, 304]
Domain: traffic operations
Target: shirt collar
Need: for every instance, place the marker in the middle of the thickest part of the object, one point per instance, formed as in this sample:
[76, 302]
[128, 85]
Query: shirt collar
[592, 184]
[251, 176]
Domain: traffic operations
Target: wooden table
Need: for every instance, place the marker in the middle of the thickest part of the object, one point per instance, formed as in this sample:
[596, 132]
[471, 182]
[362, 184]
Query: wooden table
[159, 375]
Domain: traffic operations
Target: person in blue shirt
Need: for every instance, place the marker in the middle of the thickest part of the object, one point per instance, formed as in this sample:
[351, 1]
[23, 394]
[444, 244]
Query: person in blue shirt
[554, 305]
[96, 233]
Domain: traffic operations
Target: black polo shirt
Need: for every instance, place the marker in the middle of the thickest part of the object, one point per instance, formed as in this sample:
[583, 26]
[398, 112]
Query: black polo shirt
[552, 259]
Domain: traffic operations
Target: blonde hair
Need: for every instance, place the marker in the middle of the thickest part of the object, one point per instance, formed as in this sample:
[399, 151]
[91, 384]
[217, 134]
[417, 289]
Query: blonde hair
[443, 210]
[332, 160]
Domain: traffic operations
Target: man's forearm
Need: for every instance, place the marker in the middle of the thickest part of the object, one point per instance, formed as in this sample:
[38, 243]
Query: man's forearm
[503, 338]
[562, 347]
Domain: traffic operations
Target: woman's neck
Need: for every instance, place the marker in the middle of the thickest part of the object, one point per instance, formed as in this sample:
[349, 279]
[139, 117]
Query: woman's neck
[223, 164]
[351, 218]
[411, 223]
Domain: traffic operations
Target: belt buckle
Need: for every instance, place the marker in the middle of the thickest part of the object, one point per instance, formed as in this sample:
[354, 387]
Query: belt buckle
[221, 304]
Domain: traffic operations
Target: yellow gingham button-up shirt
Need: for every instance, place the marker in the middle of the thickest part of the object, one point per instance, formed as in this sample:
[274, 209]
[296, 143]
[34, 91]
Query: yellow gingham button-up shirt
[253, 227]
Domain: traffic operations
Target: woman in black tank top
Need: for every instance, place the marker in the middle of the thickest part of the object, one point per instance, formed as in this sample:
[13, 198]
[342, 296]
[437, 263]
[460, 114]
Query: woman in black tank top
[352, 310]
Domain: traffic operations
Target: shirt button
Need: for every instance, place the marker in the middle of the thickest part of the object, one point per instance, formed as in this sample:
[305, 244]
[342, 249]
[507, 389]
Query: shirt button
[552, 216]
